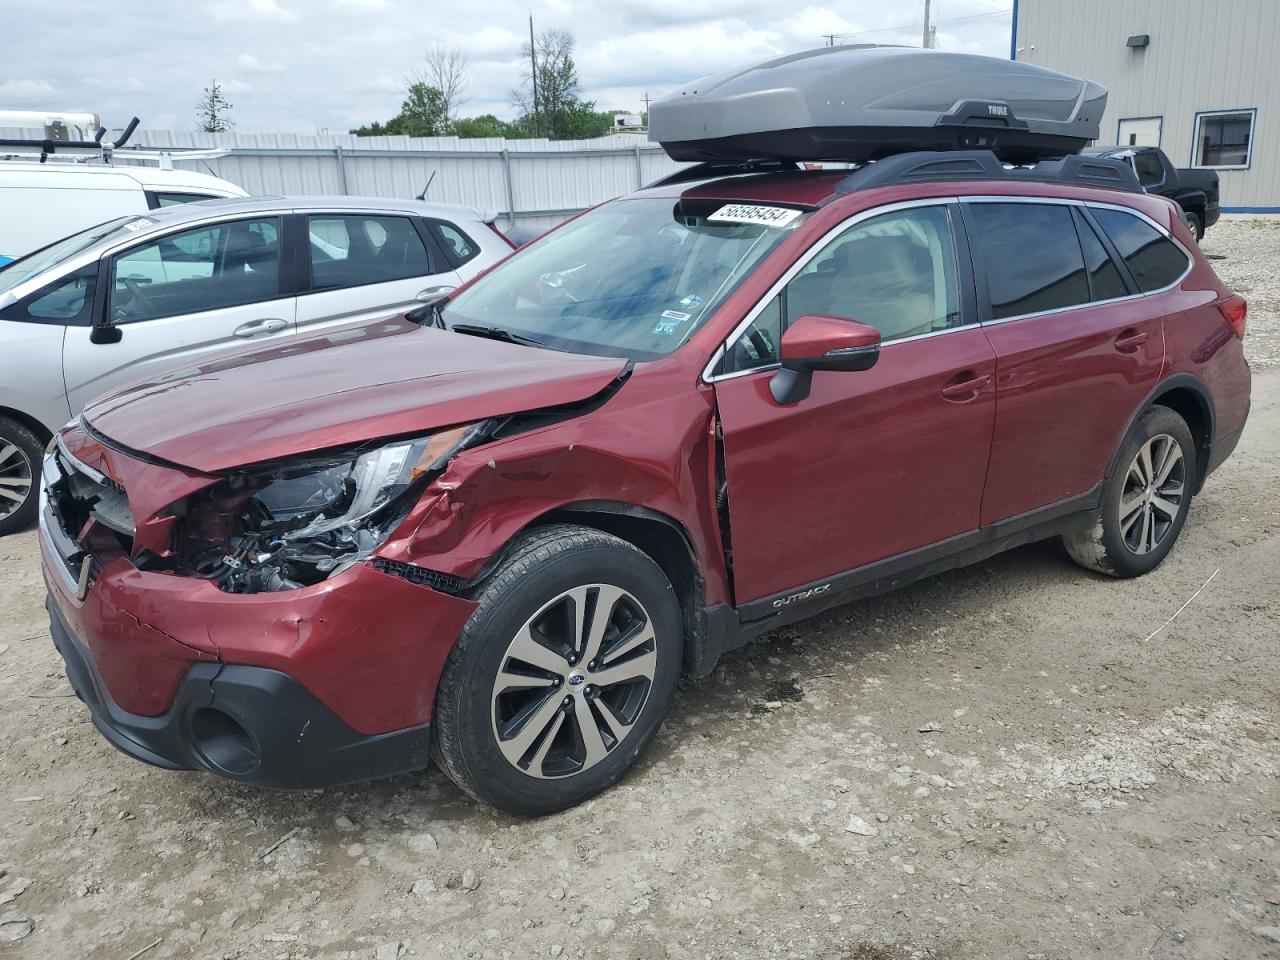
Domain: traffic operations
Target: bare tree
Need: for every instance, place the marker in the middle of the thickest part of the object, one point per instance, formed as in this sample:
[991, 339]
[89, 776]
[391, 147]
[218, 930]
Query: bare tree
[557, 84]
[444, 69]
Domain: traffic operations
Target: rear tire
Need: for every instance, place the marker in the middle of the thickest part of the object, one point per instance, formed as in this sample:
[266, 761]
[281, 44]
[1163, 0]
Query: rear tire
[1145, 502]
[21, 453]
[563, 674]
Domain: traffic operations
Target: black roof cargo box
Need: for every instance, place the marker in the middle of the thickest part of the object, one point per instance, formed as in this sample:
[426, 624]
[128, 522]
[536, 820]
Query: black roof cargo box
[860, 103]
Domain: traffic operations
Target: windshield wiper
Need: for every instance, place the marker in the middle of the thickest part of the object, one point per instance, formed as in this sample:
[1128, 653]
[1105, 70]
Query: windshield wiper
[498, 333]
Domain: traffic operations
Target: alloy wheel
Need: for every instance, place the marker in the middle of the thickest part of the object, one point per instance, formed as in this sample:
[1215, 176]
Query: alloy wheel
[573, 681]
[1152, 496]
[15, 478]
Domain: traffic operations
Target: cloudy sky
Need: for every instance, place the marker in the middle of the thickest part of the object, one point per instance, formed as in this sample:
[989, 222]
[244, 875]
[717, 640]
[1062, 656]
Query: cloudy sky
[306, 65]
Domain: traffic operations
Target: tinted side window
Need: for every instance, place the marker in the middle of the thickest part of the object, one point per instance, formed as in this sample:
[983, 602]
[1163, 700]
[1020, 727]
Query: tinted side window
[351, 251]
[758, 345]
[1147, 166]
[1031, 256]
[896, 272]
[1104, 276]
[207, 268]
[1154, 260]
[67, 302]
[173, 199]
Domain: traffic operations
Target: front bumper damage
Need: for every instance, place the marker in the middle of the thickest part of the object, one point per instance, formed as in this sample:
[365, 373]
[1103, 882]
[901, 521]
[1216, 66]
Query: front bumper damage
[251, 724]
[326, 684]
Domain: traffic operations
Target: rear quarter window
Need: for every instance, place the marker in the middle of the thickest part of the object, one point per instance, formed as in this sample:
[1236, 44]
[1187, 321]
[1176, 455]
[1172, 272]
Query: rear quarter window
[1154, 260]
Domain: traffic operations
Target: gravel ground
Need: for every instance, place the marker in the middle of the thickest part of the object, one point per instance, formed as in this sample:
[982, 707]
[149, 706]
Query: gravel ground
[1246, 255]
[1018, 759]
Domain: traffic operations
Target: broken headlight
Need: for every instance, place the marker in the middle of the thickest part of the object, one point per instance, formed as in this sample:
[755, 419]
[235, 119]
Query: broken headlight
[296, 522]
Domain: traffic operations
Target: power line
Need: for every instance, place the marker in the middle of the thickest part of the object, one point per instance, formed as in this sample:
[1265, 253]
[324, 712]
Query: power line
[903, 28]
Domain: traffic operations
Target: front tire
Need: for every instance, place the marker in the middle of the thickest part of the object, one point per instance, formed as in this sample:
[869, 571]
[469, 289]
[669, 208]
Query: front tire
[20, 457]
[563, 674]
[1145, 503]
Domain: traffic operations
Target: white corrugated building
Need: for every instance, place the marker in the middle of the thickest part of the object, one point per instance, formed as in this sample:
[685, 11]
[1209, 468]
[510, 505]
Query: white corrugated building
[1197, 78]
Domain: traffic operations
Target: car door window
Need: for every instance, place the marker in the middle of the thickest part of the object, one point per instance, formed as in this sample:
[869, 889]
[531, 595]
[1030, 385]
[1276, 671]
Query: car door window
[457, 245]
[169, 199]
[757, 346]
[896, 272]
[1104, 276]
[1147, 166]
[1031, 256]
[354, 250]
[66, 302]
[207, 268]
[1154, 260]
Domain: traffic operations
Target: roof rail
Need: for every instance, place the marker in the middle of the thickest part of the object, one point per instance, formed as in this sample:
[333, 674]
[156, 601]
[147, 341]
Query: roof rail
[49, 146]
[723, 168]
[934, 165]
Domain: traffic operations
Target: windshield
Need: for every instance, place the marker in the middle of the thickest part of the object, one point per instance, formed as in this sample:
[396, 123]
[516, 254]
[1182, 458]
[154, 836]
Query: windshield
[24, 268]
[633, 278]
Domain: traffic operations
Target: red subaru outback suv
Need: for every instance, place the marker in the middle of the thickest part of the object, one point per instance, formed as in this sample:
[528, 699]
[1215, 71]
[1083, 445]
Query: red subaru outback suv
[496, 536]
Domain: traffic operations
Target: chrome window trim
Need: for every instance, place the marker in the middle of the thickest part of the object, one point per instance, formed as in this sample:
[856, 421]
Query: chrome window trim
[822, 243]
[825, 240]
[1097, 205]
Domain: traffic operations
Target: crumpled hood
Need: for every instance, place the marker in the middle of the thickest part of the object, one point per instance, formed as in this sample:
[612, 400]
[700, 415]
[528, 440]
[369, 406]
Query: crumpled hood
[361, 383]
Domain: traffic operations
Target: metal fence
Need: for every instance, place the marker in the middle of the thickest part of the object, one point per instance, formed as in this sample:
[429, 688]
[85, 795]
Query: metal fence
[536, 183]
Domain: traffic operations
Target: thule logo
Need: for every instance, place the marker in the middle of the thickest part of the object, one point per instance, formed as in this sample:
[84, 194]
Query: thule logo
[996, 110]
[802, 595]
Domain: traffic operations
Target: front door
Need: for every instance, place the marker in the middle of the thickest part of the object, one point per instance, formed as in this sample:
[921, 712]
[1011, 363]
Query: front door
[364, 266]
[872, 464]
[179, 299]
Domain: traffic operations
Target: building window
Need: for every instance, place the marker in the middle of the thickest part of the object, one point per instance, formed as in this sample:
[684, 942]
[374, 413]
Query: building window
[1223, 139]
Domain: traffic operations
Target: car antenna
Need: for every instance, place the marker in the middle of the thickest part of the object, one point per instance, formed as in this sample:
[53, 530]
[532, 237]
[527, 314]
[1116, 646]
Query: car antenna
[423, 194]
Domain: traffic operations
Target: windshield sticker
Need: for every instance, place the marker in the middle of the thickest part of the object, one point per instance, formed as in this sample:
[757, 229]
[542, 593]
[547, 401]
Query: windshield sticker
[138, 223]
[750, 213]
[692, 300]
[670, 322]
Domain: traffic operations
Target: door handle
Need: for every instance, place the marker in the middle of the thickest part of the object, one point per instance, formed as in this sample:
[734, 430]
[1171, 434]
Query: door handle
[966, 389]
[1130, 340]
[430, 293]
[256, 328]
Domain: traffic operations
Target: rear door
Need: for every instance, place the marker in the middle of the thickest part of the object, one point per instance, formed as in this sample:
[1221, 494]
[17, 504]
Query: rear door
[180, 298]
[361, 266]
[872, 464]
[1077, 350]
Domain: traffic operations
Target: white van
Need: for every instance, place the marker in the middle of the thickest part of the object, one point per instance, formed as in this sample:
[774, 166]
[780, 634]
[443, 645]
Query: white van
[44, 202]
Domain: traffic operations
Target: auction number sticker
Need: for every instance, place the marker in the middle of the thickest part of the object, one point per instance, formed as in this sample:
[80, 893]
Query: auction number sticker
[751, 213]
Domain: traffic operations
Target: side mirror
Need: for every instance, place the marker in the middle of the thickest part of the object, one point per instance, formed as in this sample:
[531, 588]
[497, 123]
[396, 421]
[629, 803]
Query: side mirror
[105, 333]
[821, 343]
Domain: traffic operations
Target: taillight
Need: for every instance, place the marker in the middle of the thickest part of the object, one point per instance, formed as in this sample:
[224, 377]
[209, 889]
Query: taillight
[1234, 310]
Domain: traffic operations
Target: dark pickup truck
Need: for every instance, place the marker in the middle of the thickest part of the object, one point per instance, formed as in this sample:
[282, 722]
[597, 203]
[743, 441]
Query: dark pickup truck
[1196, 191]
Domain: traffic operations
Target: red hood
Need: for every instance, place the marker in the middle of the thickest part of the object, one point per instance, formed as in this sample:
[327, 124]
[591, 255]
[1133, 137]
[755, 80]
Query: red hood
[360, 383]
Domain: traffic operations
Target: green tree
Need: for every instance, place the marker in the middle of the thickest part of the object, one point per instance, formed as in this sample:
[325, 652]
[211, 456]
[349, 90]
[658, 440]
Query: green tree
[424, 113]
[556, 112]
[486, 125]
[212, 110]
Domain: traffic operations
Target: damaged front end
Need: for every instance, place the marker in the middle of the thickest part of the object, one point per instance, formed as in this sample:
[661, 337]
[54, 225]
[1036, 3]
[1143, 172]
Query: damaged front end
[297, 522]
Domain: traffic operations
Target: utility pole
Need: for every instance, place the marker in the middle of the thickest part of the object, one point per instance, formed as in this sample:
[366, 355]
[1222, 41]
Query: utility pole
[533, 74]
[926, 37]
[646, 100]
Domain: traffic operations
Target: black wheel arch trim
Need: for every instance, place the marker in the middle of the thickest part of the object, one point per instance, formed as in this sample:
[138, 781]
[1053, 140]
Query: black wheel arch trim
[1197, 387]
